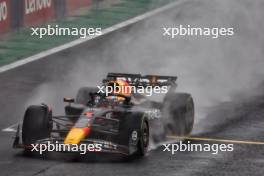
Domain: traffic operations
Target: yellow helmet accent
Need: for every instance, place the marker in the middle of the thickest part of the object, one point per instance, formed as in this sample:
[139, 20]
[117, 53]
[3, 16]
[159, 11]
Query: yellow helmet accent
[120, 87]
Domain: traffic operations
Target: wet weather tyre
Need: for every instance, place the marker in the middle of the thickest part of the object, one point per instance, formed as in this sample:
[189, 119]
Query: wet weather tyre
[178, 109]
[37, 124]
[135, 133]
[143, 142]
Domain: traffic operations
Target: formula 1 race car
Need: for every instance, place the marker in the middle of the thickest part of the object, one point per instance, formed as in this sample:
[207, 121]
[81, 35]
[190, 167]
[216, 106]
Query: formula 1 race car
[116, 117]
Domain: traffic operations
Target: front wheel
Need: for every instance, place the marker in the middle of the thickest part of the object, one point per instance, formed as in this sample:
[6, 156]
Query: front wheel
[178, 109]
[37, 124]
[143, 143]
[136, 134]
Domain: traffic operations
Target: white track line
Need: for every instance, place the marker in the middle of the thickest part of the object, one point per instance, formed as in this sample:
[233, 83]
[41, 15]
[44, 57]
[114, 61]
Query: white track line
[79, 41]
[11, 128]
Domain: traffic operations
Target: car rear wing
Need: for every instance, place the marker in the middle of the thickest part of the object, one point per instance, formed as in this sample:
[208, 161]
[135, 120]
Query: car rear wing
[142, 80]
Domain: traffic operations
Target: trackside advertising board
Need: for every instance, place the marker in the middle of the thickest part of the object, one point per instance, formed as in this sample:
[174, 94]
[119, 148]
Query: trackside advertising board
[37, 11]
[25, 13]
[5, 15]
[72, 5]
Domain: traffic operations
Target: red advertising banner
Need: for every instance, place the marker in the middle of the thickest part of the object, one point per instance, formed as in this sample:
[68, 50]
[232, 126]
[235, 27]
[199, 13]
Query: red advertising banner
[5, 15]
[72, 5]
[38, 11]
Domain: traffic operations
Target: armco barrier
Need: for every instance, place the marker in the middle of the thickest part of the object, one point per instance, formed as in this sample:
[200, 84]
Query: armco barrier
[5, 15]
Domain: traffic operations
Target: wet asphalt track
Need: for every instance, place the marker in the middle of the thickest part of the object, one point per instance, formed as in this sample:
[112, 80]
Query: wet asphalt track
[240, 119]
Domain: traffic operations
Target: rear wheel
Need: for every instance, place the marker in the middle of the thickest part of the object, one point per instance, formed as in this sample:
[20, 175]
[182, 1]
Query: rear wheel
[178, 110]
[37, 124]
[83, 95]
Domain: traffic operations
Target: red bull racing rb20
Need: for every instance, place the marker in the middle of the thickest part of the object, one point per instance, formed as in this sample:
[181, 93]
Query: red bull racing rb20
[112, 118]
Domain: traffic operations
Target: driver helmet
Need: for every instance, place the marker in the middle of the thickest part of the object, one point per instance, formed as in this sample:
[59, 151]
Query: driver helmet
[119, 87]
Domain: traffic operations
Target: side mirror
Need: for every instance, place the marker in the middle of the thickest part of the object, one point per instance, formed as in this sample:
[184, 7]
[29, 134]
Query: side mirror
[68, 100]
